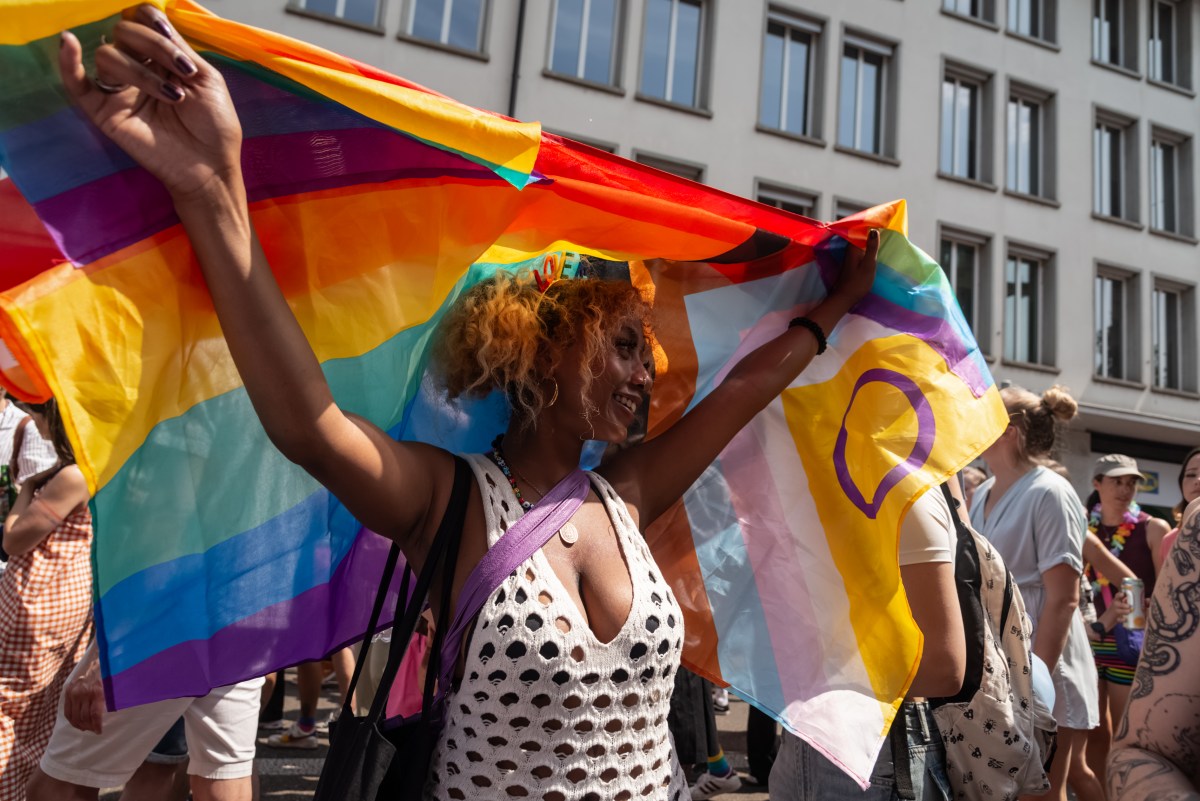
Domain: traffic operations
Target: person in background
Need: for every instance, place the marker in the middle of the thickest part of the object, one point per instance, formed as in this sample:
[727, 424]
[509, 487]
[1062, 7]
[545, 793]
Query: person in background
[1156, 753]
[45, 603]
[928, 542]
[1033, 518]
[1189, 490]
[23, 452]
[1135, 538]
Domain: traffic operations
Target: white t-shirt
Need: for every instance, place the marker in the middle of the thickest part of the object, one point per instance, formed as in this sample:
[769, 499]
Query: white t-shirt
[927, 533]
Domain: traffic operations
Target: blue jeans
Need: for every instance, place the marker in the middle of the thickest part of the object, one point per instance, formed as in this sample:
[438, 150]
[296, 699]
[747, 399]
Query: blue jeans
[801, 773]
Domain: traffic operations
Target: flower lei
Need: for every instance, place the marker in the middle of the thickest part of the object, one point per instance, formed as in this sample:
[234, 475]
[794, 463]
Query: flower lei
[1118, 538]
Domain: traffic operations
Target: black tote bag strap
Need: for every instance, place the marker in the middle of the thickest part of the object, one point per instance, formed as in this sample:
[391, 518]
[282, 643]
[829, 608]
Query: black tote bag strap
[389, 568]
[445, 542]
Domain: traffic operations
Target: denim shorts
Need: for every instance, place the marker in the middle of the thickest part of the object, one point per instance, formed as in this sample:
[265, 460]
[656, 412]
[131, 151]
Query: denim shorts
[801, 773]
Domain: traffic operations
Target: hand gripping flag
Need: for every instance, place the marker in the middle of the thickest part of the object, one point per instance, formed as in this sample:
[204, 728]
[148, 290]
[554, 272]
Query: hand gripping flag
[378, 202]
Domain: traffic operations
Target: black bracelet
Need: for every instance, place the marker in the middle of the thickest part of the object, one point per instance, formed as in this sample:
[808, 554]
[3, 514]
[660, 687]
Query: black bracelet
[804, 322]
[1100, 629]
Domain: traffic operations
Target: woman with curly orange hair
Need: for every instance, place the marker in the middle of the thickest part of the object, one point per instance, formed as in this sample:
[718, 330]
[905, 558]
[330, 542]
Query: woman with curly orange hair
[586, 639]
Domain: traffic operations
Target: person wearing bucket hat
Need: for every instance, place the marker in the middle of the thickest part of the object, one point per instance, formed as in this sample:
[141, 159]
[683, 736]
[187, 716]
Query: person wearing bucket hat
[1133, 537]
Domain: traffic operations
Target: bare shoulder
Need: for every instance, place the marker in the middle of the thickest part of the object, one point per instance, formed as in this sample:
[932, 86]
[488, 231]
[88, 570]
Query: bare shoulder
[68, 483]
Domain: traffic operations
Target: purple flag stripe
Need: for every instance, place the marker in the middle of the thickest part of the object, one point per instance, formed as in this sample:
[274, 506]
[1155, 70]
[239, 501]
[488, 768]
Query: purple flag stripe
[105, 215]
[331, 615]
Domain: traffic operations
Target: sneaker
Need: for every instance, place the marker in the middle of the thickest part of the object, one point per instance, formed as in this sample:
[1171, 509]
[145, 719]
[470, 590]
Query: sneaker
[710, 785]
[295, 737]
[327, 723]
[721, 702]
[273, 725]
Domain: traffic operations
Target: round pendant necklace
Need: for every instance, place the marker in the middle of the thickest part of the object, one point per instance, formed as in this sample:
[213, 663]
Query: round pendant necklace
[568, 533]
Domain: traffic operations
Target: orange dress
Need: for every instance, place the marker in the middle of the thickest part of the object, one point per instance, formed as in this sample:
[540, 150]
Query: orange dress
[45, 626]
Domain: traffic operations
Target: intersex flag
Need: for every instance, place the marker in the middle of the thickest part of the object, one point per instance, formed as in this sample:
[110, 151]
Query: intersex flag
[378, 203]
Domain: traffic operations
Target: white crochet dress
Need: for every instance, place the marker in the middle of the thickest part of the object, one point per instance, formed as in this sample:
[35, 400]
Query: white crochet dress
[556, 715]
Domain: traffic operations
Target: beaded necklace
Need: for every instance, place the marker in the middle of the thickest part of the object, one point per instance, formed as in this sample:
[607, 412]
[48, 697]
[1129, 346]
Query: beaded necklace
[569, 533]
[498, 458]
[1118, 538]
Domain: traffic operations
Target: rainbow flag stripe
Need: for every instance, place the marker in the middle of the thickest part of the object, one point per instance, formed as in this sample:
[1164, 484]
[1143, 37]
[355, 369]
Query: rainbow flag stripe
[378, 202]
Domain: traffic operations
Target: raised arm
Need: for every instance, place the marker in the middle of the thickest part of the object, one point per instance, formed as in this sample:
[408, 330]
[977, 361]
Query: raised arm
[1156, 753]
[651, 477]
[182, 128]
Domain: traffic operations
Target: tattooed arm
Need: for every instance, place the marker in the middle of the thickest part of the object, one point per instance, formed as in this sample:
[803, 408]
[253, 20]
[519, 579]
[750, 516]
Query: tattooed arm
[1156, 753]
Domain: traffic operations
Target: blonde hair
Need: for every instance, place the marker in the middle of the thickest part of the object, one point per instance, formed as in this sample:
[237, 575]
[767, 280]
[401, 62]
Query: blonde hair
[1036, 417]
[504, 333]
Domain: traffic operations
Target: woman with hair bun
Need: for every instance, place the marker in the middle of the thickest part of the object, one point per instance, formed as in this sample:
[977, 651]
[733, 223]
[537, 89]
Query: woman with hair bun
[1033, 517]
[573, 360]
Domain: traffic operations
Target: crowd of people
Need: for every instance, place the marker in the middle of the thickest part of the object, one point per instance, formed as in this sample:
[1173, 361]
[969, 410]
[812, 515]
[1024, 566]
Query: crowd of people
[573, 359]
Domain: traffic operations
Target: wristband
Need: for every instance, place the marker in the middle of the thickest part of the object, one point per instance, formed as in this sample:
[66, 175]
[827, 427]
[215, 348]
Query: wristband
[814, 329]
[1099, 628]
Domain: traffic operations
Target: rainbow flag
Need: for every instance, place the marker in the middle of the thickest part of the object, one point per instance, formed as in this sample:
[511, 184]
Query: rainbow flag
[378, 202]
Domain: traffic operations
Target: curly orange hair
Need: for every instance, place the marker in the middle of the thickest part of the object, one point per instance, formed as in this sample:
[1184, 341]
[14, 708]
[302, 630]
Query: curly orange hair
[504, 333]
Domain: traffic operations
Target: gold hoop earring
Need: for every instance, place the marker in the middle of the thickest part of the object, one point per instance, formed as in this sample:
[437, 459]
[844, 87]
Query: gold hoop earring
[554, 397]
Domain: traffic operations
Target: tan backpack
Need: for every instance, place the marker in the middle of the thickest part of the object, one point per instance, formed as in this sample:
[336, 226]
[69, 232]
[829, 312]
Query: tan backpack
[999, 736]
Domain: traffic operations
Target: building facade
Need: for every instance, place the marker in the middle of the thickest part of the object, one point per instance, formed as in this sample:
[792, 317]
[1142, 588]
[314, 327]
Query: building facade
[1045, 147]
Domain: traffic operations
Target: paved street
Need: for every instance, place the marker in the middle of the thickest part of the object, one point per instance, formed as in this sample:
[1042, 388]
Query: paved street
[291, 775]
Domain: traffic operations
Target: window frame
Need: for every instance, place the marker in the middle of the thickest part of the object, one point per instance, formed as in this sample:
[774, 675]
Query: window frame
[680, 168]
[616, 52]
[886, 50]
[1126, 35]
[1186, 332]
[1045, 342]
[980, 319]
[814, 94]
[1184, 186]
[1127, 317]
[703, 50]
[485, 7]
[775, 194]
[1044, 100]
[300, 7]
[1046, 15]
[985, 14]
[1128, 170]
[981, 79]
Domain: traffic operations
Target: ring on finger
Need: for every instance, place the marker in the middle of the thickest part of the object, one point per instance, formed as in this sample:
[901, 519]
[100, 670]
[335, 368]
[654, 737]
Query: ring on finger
[109, 88]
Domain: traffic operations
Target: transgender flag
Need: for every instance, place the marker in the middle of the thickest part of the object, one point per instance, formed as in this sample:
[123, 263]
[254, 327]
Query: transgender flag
[378, 203]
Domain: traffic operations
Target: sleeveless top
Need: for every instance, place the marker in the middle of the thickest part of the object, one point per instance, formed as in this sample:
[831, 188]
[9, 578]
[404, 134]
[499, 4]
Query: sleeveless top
[545, 710]
[1135, 554]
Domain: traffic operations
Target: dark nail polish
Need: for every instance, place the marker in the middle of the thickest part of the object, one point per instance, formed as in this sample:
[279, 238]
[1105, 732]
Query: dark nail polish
[162, 27]
[172, 91]
[184, 64]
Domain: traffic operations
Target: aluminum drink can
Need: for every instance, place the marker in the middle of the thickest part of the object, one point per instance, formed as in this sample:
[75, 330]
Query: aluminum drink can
[1135, 591]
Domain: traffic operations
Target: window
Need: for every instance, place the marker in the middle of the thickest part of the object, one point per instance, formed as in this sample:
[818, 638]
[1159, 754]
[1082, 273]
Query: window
[965, 129]
[1170, 182]
[584, 38]
[1032, 18]
[844, 208]
[1114, 166]
[1026, 285]
[1172, 324]
[797, 201]
[788, 99]
[361, 12]
[457, 23]
[963, 259]
[672, 51]
[978, 9]
[1114, 33]
[1029, 158]
[1168, 55]
[863, 110]
[1113, 305]
[692, 172]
